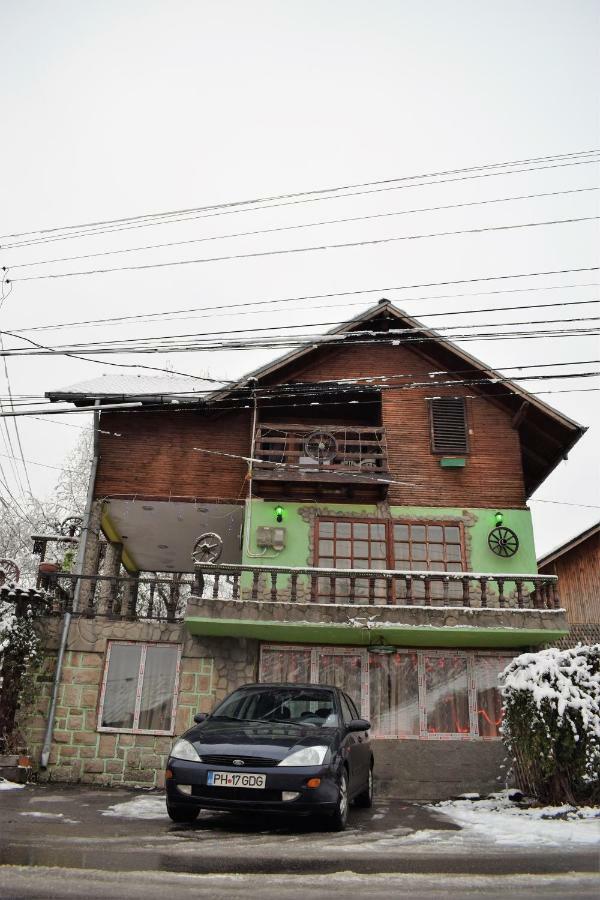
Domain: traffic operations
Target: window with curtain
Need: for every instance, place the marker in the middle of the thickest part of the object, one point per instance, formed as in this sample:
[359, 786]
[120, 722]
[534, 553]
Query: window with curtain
[447, 695]
[488, 696]
[139, 688]
[394, 694]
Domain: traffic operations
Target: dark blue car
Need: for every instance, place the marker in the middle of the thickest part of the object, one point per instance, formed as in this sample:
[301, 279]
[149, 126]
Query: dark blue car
[274, 747]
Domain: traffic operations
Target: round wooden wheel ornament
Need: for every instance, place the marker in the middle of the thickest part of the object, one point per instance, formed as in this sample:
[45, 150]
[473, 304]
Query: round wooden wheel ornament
[503, 541]
[321, 445]
[9, 571]
[71, 527]
[208, 548]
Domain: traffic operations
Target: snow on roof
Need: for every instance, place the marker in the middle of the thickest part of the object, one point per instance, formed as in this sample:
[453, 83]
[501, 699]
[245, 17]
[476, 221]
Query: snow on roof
[113, 385]
[568, 545]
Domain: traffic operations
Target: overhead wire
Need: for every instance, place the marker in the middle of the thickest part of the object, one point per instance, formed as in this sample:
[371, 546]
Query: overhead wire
[281, 228]
[292, 250]
[308, 196]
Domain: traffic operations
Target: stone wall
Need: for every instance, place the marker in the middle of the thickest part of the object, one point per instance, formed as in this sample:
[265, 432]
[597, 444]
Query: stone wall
[438, 770]
[209, 671]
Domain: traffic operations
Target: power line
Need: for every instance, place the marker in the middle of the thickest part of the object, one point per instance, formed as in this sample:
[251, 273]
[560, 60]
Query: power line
[346, 220]
[291, 250]
[254, 201]
[378, 290]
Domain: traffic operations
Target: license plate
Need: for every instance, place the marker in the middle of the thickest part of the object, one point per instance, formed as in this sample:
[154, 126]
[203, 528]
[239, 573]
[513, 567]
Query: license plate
[236, 780]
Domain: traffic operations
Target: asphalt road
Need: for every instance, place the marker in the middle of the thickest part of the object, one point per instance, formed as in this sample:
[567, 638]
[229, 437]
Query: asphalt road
[58, 841]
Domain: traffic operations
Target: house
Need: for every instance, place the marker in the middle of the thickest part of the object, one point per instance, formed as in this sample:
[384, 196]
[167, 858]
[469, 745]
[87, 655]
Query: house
[577, 565]
[357, 511]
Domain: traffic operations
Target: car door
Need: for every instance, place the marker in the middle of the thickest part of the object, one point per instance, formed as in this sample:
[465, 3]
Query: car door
[364, 745]
[352, 748]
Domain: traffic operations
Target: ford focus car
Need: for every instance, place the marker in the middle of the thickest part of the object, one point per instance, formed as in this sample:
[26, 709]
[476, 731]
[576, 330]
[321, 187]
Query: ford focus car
[274, 747]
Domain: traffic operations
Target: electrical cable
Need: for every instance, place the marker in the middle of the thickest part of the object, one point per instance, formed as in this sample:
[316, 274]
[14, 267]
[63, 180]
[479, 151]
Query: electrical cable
[253, 202]
[291, 250]
[379, 290]
[219, 237]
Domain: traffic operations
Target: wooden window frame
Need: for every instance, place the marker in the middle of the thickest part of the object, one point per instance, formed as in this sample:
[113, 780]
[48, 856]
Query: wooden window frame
[389, 537]
[467, 450]
[139, 687]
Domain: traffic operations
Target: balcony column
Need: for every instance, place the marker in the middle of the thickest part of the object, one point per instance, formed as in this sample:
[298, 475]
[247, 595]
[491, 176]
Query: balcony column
[130, 595]
[91, 554]
[111, 566]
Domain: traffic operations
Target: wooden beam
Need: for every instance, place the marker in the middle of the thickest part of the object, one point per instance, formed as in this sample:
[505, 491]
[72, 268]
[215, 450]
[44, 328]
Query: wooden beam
[520, 414]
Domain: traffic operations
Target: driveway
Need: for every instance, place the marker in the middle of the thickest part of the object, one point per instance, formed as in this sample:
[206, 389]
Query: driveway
[127, 844]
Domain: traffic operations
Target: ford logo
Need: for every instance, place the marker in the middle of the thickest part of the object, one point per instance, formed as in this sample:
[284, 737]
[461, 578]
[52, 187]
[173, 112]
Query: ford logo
[239, 762]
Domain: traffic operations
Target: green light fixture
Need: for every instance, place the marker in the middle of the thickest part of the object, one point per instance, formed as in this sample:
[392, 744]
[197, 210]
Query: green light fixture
[499, 519]
[279, 511]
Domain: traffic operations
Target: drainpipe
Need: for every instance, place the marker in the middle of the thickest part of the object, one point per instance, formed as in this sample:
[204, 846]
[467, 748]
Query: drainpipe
[78, 569]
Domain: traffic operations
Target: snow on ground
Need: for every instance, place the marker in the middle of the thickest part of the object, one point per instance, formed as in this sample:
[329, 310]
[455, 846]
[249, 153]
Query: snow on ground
[503, 822]
[9, 785]
[141, 807]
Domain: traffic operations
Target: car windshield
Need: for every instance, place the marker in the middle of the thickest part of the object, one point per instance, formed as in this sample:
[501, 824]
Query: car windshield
[307, 706]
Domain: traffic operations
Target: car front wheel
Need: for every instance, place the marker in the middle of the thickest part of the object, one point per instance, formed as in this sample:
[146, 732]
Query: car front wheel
[183, 813]
[339, 818]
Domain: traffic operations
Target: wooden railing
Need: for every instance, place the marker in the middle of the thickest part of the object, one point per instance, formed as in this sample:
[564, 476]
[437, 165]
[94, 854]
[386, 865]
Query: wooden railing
[299, 452]
[159, 599]
[381, 587]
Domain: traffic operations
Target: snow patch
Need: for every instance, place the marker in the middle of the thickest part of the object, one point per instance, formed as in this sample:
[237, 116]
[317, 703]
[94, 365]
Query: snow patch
[499, 820]
[6, 785]
[140, 808]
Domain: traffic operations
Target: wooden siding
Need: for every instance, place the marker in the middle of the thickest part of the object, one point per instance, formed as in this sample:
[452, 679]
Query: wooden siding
[578, 573]
[493, 475]
[154, 457]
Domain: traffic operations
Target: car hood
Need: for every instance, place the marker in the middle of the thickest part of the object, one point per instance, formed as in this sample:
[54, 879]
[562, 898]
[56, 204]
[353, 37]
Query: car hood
[256, 738]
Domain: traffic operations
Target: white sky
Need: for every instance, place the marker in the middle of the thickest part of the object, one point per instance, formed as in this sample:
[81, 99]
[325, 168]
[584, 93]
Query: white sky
[118, 108]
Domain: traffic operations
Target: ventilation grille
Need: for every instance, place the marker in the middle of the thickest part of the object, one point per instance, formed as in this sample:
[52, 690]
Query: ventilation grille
[448, 425]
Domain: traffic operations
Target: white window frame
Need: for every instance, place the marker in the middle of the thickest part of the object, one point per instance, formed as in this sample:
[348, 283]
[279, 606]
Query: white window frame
[140, 682]
[364, 700]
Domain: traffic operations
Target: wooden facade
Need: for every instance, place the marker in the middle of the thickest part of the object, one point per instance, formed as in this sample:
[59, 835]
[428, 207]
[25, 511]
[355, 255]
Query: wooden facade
[153, 455]
[577, 565]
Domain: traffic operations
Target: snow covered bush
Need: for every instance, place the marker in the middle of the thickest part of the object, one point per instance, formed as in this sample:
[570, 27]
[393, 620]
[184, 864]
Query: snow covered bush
[551, 722]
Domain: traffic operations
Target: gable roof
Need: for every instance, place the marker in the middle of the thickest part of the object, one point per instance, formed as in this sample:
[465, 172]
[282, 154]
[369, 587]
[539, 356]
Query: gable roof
[546, 435]
[568, 545]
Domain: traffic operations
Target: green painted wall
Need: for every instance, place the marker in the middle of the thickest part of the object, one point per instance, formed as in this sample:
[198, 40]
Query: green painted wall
[478, 524]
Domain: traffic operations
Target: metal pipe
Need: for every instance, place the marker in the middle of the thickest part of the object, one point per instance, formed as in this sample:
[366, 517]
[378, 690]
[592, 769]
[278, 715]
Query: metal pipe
[47, 745]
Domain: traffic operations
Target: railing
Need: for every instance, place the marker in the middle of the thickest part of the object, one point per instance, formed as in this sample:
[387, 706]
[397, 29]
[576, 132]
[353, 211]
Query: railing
[297, 452]
[381, 587]
[158, 599]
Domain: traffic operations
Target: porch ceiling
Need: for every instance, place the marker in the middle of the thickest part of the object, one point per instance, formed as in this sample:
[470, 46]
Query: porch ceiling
[159, 536]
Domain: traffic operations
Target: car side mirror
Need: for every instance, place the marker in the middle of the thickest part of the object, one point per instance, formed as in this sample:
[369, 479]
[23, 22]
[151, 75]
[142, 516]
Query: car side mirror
[200, 717]
[358, 725]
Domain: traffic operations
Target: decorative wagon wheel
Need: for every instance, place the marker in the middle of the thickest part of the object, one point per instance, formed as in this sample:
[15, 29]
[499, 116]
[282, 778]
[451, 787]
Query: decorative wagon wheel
[321, 445]
[72, 526]
[9, 571]
[208, 548]
[503, 541]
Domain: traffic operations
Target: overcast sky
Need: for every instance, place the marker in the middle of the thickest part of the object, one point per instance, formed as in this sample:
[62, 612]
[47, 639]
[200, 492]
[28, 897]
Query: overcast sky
[112, 109]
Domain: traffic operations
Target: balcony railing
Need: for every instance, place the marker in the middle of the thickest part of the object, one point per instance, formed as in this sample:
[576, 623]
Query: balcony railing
[158, 599]
[382, 587]
[330, 453]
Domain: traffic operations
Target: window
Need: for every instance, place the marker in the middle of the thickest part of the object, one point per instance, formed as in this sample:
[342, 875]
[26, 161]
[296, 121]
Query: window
[422, 694]
[448, 417]
[389, 544]
[139, 688]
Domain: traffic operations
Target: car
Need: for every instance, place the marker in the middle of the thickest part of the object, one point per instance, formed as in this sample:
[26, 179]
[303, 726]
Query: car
[294, 748]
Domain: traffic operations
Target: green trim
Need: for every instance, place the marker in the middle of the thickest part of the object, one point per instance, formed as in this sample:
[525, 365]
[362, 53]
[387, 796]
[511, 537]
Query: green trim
[401, 635]
[453, 462]
[111, 534]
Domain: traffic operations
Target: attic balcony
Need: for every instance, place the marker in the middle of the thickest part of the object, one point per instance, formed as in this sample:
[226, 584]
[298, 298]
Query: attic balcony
[367, 608]
[339, 460]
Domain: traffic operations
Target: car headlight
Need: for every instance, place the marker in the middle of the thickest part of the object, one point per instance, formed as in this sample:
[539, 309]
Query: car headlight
[307, 756]
[182, 749]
